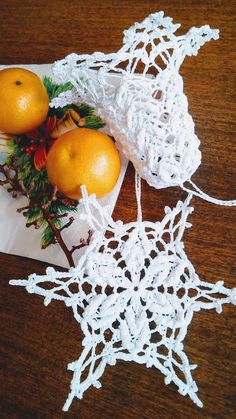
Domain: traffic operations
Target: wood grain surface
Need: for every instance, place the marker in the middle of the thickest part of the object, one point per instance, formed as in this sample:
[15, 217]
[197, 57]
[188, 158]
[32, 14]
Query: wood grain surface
[37, 343]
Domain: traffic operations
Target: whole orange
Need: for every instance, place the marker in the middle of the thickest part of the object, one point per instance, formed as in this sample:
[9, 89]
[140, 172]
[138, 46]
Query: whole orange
[83, 157]
[24, 101]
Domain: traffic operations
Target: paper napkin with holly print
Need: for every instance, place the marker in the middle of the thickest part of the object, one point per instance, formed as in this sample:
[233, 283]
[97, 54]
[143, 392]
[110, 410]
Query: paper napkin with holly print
[16, 237]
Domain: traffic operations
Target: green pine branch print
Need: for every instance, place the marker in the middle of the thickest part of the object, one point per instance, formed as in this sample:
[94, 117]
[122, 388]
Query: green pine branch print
[23, 172]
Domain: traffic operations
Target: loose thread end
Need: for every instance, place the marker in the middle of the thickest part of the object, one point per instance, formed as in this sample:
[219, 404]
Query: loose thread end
[199, 193]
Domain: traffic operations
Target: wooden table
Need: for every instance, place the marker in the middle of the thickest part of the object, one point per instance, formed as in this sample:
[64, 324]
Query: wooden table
[37, 343]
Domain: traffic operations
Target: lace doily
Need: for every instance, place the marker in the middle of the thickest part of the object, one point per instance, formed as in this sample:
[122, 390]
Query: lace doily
[148, 116]
[136, 293]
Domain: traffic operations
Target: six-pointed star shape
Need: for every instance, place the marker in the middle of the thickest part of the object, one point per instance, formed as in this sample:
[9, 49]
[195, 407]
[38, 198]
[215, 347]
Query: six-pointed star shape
[136, 292]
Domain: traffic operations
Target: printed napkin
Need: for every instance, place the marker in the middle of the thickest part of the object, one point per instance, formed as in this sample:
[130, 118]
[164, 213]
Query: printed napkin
[17, 239]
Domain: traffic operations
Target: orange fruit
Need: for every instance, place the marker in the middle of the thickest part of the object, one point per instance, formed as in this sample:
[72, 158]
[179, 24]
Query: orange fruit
[83, 156]
[24, 101]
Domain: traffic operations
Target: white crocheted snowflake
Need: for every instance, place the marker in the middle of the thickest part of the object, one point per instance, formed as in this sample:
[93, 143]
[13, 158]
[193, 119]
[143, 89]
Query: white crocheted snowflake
[134, 293]
[144, 107]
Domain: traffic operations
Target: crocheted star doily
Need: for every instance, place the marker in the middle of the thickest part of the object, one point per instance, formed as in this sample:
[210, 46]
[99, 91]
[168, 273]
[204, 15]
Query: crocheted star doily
[136, 290]
[136, 294]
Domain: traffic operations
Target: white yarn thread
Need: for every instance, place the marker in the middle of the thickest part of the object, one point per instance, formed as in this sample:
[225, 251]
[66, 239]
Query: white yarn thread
[138, 196]
[199, 193]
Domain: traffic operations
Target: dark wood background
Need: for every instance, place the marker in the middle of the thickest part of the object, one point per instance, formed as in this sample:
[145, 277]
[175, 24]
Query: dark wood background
[37, 343]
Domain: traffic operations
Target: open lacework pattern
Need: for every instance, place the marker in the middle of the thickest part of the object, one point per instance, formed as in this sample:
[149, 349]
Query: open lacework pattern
[148, 116]
[134, 293]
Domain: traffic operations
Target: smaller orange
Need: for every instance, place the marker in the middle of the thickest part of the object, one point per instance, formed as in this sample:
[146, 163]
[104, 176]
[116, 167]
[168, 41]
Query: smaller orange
[24, 101]
[83, 157]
